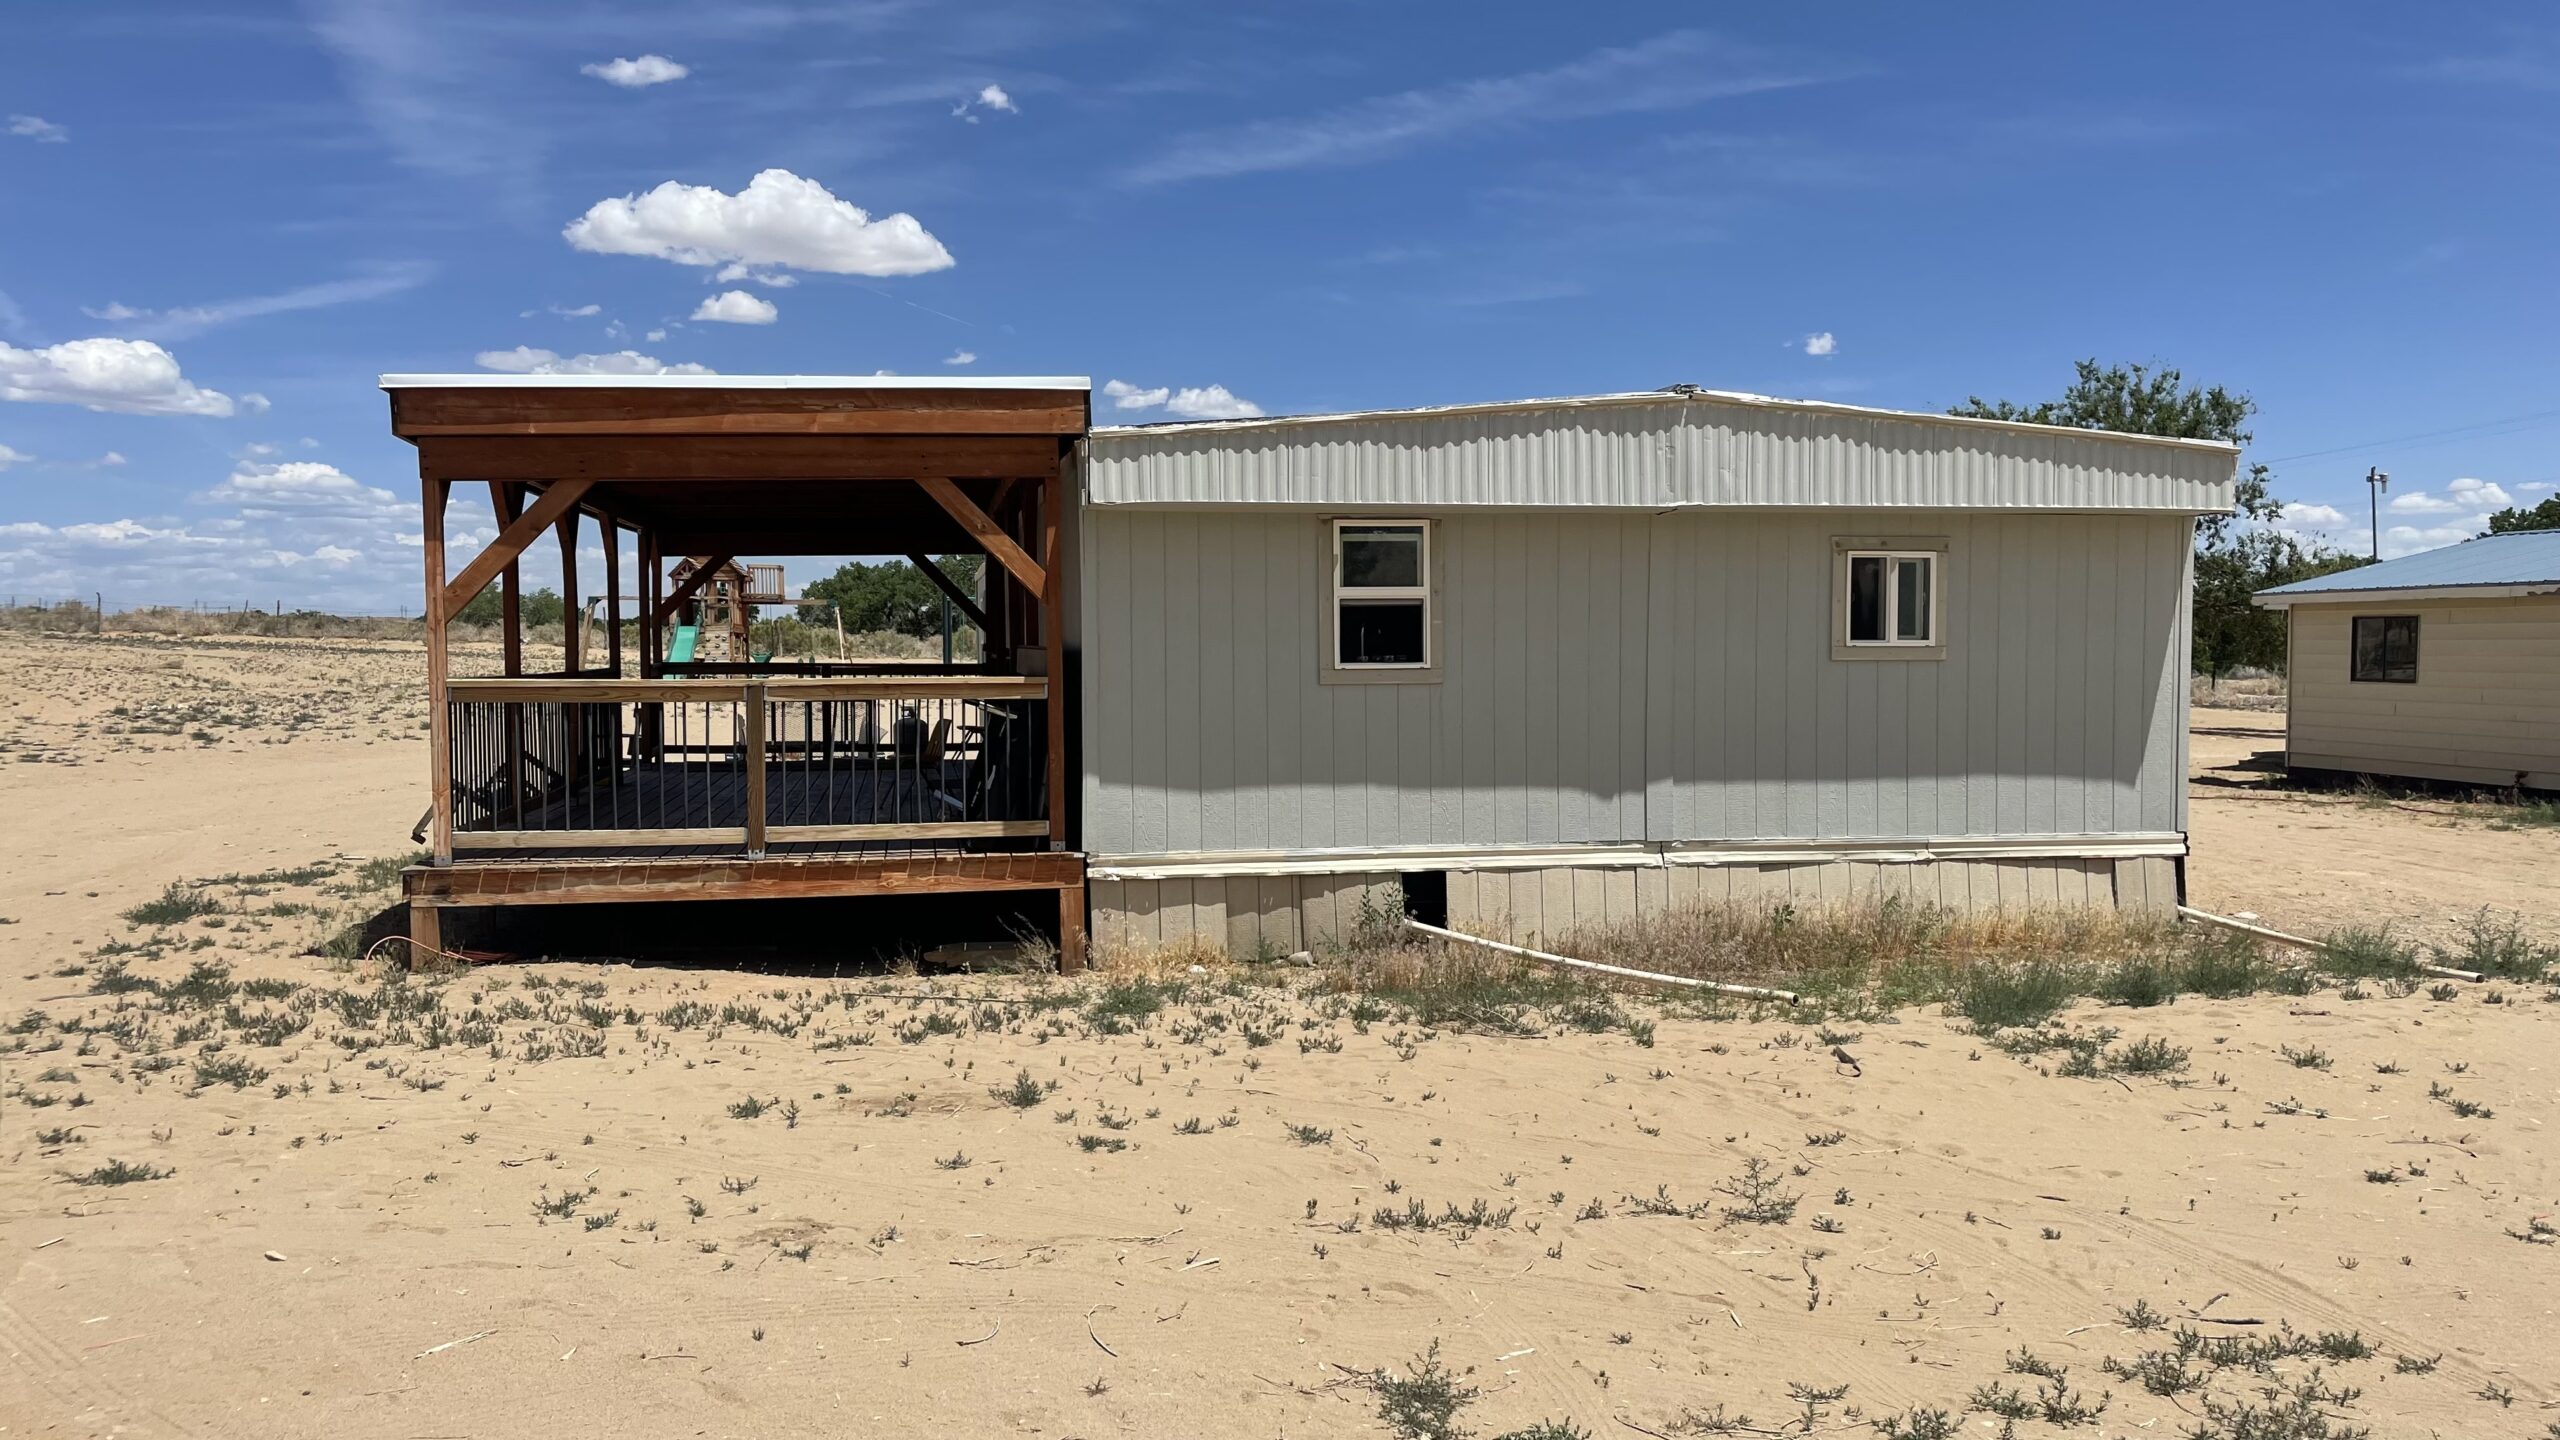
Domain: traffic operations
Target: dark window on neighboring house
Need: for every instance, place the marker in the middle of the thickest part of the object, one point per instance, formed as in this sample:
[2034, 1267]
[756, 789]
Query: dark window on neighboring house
[2386, 648]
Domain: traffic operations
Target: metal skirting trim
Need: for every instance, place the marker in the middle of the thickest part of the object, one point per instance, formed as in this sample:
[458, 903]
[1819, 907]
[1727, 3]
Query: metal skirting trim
[1915, 851]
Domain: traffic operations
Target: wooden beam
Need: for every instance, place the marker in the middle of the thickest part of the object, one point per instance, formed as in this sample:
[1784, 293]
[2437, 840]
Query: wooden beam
[693, 582]
[431, 498]
[512, 539]
[989, 534]
[755, 765]
[1070, 929]
[603, 410]
[544, 458]
[506, 498]
[573, 615]
[612, 596]
[514, 880]
[950, 587]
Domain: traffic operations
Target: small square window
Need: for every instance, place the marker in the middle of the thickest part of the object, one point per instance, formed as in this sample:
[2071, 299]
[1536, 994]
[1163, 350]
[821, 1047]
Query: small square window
[1382, 594]
[1892, 598]
[2386, 649]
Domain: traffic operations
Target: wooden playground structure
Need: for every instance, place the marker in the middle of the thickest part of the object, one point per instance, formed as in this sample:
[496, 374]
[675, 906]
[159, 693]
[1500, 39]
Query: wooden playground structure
[718, 776]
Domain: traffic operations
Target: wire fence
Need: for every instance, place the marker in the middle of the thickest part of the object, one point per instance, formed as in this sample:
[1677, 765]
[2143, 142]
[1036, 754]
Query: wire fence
[97, 613]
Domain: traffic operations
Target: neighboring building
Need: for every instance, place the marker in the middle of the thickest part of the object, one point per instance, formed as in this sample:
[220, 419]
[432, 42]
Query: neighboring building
[2438, 666]
[1560, 662]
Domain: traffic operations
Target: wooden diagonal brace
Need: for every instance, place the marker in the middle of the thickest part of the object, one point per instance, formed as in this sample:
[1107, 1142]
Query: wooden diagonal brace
[692, 583]
[989, 534]
[951, 587]
[511, 542]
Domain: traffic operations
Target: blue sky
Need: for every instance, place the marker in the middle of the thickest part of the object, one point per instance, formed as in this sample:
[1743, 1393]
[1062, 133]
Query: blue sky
[225, 219]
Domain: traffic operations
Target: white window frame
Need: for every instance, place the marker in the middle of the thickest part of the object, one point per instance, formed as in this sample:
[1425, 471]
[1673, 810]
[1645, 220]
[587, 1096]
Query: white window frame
[1360, 593]
[1892, 599]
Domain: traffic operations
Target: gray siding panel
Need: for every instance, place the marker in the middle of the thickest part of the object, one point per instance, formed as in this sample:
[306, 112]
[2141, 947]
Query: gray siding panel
[1615, 678]
[1646, 452]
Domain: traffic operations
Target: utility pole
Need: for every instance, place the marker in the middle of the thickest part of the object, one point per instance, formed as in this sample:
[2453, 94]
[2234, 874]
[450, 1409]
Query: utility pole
[2378, 482]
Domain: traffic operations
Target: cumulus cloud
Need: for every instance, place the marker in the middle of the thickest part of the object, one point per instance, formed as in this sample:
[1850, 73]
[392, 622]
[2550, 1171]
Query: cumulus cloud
[2461, 497]
[9, 457]
[962, 357]
[38, 129]
[1130, 397]
[779, 219]
[134, 377]
[737, 307]
[533, 360]
[301, 487]
[2302, 515]
[734, 272]
[993, 97]
[1190, 402]
[636, 74]
[1821, 343]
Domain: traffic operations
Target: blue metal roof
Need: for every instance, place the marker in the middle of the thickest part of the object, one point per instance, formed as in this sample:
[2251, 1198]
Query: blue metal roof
[2530, 557]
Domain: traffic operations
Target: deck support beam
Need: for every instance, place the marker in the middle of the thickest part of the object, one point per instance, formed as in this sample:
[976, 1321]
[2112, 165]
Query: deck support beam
[692, 583]
[989, 534]
[943, 582]
[517, 527]
[431, 502]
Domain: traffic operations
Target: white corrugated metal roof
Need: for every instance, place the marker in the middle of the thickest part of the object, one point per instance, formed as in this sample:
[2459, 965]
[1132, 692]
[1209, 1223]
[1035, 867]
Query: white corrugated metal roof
[1638, 397]
[1654, 450]
[488, 380]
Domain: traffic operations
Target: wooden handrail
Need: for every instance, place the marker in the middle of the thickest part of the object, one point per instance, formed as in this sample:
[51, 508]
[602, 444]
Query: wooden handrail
[856, 687]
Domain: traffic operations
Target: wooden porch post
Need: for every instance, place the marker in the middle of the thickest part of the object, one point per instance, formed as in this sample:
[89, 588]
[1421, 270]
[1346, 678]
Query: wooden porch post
[1053, 645]
[650, 577]
[573, 650]
[431, 498]
[612, 596]
[1070, 928]
[507, 498]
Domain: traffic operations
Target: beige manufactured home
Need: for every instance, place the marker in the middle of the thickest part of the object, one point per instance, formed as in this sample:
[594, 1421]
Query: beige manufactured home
[2438, 666]
[1554, 663]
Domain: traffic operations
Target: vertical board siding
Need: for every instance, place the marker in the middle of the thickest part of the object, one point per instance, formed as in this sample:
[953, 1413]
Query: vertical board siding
[1613, 678]
[2485, 707]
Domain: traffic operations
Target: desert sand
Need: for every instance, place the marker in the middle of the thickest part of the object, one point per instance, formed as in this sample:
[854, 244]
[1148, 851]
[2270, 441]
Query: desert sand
[637, 1201]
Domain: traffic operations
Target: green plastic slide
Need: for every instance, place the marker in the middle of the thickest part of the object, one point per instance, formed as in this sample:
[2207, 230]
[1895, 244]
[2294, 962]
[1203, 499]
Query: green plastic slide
[680, 645]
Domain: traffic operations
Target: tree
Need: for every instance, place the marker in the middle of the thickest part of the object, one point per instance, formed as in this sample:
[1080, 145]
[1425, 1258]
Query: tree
[2545, 516]
[538, 610]
[892, 595]
[2236, 554]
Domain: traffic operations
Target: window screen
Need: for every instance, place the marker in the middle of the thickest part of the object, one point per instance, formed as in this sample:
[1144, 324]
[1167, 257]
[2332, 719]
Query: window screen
[2386, 648]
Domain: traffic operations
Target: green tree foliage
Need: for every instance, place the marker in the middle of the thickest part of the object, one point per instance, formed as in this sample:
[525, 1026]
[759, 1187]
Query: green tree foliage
[2236, 554]
[892, 595]
[2545, 516]
[538, 610]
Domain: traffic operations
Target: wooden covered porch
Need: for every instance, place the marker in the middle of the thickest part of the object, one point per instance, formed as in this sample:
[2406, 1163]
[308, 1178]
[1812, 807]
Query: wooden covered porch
[613, 773]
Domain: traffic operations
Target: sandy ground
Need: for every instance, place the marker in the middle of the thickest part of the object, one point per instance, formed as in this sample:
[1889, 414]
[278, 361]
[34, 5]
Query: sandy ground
[2309, 862]
[641, 1202]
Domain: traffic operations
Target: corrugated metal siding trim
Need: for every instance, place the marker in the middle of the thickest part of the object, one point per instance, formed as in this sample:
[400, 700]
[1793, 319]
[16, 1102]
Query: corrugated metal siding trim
[1663, 454]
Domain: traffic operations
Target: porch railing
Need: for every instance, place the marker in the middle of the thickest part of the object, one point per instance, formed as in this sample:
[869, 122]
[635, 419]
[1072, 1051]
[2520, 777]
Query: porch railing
[585, 763]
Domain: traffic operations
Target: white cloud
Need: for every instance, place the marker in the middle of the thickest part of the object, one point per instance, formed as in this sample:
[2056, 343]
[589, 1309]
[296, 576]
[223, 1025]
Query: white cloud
[301, 487]
[9, 457]
[2533, 488]
[1200, 402]
[1211, 402]
[1821, 343]
[737, 307]
[565, 312]
[654, 336]
[962, 357]
[109, 460]
[773, 279]
[2479, 493]
[2302, 516]
[637, 74]
[38, 129]
[377, 282]
[135, 377]
[993, 97]
[531, 360]
[778, 219]
[1130, 397]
